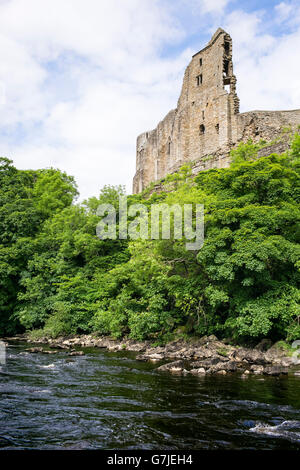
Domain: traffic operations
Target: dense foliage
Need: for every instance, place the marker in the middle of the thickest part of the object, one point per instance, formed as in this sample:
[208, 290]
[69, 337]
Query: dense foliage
[57, 276]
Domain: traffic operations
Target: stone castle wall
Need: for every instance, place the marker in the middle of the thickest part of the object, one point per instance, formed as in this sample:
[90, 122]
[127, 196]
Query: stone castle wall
[206, 123]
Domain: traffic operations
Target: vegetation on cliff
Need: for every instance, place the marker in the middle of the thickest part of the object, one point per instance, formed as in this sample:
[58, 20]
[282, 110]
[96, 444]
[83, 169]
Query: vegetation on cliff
[58, 277]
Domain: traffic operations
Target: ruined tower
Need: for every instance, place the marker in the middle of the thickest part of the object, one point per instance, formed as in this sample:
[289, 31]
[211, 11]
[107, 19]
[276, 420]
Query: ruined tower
[206, 123]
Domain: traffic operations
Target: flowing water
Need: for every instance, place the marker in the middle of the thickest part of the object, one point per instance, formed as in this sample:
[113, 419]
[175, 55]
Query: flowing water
[108, 400]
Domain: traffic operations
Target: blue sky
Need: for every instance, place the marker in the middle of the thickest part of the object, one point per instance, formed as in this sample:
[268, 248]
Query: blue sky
[80, 79]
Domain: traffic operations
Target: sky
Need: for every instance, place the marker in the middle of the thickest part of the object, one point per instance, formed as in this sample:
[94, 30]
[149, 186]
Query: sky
[81, 79]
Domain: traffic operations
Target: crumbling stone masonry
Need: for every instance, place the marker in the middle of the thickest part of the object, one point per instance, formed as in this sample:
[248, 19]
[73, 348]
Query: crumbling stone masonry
[206, 123]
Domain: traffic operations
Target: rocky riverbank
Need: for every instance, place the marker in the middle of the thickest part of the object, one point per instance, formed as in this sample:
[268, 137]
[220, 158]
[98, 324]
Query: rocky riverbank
[206, 355]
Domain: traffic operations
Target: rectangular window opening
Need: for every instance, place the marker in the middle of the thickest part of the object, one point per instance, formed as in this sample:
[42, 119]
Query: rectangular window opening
[199, 79]
[200, 61]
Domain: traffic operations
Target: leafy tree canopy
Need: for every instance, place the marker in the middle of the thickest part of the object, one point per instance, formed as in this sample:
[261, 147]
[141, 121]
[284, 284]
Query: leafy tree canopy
[57, 276]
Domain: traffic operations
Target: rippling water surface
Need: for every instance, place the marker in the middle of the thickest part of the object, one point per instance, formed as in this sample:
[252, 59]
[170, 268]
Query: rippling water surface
[111, 401]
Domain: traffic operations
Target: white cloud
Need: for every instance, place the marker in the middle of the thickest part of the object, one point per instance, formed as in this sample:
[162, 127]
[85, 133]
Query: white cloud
[118, 85]
[265, 65]
[89, 27]
[80, 79]
[288, 13]
[283, 11]
[212, 6]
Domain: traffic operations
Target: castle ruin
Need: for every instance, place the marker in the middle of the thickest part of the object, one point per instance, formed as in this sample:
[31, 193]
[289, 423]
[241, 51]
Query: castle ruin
[206, 123]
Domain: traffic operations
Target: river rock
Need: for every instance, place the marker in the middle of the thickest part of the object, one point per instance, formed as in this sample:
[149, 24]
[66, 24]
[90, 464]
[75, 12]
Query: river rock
[136, 346]
[141, 357]
[246, 373]
[286, 361]
[275, 370]
[114, 347]
[276, 353]
[206, 353]
[203, 353]
[198, 371]
[252, 356]
[58, 346]
[35, 350]
[208, 363]
[178, 370]
[257, 369]
[264, 345]
[156, 357]
[229, 366]
[102, 342]
[40, 349]
[76, 341]
[176, 366]
[208, 339]
[76, 353]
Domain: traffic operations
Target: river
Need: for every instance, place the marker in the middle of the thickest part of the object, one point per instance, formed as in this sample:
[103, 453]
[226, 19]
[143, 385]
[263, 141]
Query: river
[106, 400]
